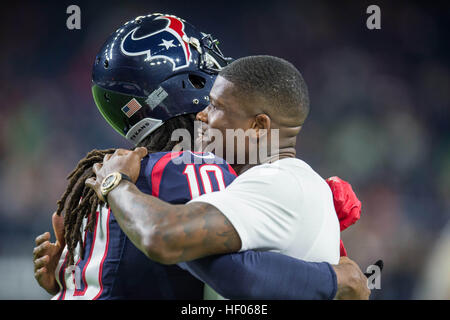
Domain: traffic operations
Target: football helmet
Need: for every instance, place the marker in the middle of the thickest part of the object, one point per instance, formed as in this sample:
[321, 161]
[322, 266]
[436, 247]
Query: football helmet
[151, 69]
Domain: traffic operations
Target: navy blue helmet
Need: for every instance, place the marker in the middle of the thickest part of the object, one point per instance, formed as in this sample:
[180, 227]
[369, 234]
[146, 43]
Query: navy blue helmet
[151, 69]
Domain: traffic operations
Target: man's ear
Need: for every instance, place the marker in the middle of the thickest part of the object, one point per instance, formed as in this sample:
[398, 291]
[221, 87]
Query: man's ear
[261, 125]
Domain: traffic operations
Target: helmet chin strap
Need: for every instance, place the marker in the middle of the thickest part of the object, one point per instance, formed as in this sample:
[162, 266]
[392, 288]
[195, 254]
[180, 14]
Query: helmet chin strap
[142, 129]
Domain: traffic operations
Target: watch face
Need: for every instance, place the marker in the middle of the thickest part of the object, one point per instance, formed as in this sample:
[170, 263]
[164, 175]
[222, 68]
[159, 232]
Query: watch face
[108, 181]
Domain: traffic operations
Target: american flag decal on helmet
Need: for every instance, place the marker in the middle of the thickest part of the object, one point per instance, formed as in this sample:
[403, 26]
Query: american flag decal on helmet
[131, 107]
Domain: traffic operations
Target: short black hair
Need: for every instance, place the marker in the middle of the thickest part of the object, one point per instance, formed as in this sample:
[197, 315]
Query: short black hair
[276, 80]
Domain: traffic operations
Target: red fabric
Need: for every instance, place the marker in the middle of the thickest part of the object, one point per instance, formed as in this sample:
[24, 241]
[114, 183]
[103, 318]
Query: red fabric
[346, 204]
[158, 170]
[342, 249]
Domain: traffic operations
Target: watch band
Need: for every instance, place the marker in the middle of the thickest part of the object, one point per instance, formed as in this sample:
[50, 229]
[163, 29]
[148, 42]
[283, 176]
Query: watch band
[125, 177]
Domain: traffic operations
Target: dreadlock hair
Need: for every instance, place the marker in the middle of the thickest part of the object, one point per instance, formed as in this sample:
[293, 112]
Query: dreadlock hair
[79, 202]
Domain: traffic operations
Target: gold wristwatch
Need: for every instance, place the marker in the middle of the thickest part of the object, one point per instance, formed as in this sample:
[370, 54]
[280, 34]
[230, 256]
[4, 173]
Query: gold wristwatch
[111, 181]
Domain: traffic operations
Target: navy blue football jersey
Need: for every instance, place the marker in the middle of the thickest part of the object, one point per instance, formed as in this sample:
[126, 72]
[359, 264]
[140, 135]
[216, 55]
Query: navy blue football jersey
[112, 267]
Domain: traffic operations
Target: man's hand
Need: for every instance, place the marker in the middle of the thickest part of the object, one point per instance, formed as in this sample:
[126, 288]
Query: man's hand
[125, 161]
[46, 256]
[352, 283]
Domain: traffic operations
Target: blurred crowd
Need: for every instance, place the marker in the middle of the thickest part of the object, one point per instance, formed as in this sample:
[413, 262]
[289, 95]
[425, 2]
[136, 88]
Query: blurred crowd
[379, 116]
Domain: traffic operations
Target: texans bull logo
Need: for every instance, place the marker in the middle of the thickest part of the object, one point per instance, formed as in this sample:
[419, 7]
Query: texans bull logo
[166, 44]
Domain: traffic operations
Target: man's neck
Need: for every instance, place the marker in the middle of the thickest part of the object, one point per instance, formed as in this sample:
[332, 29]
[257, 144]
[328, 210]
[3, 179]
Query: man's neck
[282, 154]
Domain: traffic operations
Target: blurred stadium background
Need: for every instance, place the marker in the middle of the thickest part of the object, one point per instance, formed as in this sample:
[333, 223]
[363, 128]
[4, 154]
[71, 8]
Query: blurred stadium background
[379, 119]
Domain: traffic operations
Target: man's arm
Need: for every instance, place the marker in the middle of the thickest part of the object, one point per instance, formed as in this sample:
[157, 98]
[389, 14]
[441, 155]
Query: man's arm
[270, 275]
[169, 233]
[265, 275]
[166, 233]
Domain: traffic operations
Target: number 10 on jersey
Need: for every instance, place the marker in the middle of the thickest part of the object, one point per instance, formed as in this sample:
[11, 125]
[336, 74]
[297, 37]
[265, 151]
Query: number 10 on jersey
[205, 177]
